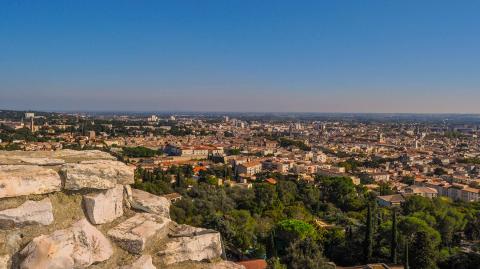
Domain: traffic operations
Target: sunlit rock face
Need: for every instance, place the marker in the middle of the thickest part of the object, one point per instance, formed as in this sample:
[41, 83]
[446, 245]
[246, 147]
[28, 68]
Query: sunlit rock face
[29, 213]
[137, 232]
[20, 180]
[101, 175]
[187, 243]
[104, 206]
[151, 203]
[76, 247]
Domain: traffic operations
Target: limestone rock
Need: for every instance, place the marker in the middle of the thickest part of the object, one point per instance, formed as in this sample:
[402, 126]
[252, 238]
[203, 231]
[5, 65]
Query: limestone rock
[69, 155]
[191, 244]
[100, 174]
[151, 203]
[104, 206]
[137, 232]
[76, 247]
[4, 261]
[52, 157]
[29, 213]
[19, 180]
[41, 161]
[144, 262]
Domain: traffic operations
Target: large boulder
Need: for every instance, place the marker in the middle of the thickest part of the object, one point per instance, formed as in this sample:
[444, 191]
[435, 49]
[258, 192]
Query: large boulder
[29, 213]
[150, 203]
[144, 262]
[104, 206]
[137, 232]
[189, 243]
[100, 174]
[76, 247]
[19, 180]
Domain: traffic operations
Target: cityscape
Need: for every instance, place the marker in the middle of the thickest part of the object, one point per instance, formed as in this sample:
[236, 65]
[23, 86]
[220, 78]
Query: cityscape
[347, 182]
[239, 134]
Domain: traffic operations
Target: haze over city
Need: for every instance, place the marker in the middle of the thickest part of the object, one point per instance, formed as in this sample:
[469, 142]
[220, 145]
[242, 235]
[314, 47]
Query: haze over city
[285, 56]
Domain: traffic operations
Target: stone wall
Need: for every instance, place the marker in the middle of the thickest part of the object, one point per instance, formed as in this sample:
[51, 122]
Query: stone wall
[76, 209]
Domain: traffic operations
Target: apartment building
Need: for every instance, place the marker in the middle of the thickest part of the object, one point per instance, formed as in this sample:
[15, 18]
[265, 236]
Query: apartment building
[249, 168]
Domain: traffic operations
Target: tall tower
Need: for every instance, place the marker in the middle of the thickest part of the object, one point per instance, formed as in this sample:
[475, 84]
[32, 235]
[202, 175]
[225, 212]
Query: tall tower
[31, 116]
[32, 125]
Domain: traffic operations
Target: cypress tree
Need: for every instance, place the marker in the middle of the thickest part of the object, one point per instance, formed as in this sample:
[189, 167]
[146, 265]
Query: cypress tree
[405, 259]
[273, 247]
[394, 243]
[368, 243]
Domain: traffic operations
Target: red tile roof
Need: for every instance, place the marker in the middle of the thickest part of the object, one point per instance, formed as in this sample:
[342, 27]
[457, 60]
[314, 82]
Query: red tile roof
[254, 264]
[271, 181]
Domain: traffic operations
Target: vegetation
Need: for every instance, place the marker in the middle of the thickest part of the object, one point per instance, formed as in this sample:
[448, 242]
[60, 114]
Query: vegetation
[279, 222]
[139, 152]
[286, 142]
[474, 160]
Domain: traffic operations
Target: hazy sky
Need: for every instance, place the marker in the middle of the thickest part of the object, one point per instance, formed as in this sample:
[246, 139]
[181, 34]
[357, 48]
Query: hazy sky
[240, 55]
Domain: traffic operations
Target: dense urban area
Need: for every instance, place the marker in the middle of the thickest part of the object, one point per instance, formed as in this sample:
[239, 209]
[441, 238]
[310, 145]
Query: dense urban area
[295, 191]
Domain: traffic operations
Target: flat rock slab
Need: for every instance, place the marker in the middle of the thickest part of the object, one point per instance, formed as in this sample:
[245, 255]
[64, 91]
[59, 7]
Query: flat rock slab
[29, 213]
[137, 232]
[189, 243]
[104, 206]
[151, 203]
[42, 161]
[144, 262]
[19, 180]
[100, 174]
[76, 247]
[52, 157]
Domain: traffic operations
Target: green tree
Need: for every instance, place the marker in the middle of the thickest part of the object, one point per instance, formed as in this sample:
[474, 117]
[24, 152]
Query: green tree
[368, 242]
[305, 253]
[405, 258]
[289, 230]
[422, 252]
[394, 243]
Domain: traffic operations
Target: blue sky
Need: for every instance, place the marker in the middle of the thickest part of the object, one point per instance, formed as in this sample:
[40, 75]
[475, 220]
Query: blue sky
[229, 55]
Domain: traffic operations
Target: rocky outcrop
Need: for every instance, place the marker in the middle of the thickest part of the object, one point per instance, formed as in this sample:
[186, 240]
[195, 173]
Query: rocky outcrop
[189, 243]
[101, 175]
[76, 247]
[104, 206]
[29, 213]
[137, 232]
[48, 229]
[151, 203]
[144, 262]
[19, 180]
